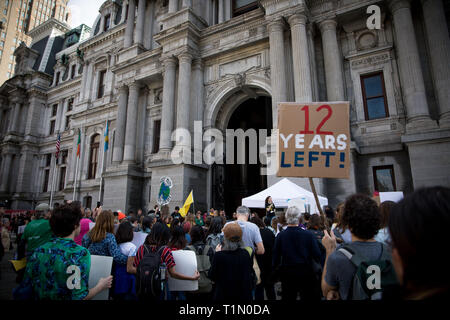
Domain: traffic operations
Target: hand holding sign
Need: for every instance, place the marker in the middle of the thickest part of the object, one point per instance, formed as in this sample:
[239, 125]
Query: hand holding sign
[314, 140]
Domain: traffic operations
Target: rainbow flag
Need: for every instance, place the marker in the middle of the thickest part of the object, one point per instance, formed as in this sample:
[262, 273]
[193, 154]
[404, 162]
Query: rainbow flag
[79, 143]
[106, 136]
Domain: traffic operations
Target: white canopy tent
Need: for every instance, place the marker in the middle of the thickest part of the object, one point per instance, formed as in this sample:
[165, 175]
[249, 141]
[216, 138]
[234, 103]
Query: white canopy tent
[285, 194]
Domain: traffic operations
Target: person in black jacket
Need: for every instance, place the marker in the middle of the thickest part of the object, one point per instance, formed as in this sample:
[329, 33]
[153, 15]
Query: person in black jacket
[232, 268]
[294, 252]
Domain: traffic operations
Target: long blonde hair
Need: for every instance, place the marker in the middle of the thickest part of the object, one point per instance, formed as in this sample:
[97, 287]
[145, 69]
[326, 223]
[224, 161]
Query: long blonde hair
[103, 225]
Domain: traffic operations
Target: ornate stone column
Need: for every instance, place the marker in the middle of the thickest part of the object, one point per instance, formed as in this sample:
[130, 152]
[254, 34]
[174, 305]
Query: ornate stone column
[139, 33]
[184, 90]
[16, 115]
[149, 22]
[119, 138]
[277, 66]
[439, 46]
[333, 61]
[5, 171]
[173, 6]
[411, 77]
[128, 41]
[129, 153]
[168, 105]
[187, 3]
[227, 10]
[221, 11]
[300, 53]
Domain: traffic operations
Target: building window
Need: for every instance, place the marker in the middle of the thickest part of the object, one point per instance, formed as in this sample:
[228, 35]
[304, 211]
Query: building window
[93, 156]
[374, 96]
[243, 6]
[67, 122]
[72, 71]
[62, 178]
[70, 105]
[384, 178]
[64, 155]
[46, 177]
[101, 84]
[58, 74]
[52, 126]
[48, 159]
[107, 22]
[156, 135]
[54, 110]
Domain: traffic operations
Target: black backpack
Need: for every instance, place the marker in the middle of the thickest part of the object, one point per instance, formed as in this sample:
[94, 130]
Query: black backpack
[148, 276]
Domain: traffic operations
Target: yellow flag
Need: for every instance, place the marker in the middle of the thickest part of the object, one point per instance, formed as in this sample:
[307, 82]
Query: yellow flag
[187, 204]
[19, 264]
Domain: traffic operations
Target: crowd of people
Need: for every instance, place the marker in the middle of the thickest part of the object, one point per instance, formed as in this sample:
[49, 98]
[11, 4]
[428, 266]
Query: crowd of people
[360, 251]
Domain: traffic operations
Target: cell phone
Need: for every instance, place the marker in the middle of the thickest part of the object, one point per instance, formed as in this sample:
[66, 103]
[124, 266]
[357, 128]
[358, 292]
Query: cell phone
[99, 204]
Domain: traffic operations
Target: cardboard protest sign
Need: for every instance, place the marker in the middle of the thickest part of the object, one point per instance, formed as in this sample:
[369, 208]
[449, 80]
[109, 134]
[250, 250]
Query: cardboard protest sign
[186, 263]
[100, 268]
[314, 140]
[139, 238]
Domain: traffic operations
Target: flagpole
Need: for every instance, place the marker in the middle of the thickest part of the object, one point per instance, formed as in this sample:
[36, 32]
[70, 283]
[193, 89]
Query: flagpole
[193, 203]
[75, 182]
[103, 163]
[53, 178]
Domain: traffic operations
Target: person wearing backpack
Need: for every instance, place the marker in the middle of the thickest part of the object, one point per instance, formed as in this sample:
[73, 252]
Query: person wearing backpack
[204, 254]
[153, 260]
[361, 269]
[232, 268]
[213, 235]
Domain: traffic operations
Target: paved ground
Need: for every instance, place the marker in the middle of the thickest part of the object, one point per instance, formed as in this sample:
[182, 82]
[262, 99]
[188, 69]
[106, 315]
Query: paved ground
[7, 276]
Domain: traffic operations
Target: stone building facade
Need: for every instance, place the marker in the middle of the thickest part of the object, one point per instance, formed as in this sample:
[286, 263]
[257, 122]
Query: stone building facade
[17, 17]
[151, 66]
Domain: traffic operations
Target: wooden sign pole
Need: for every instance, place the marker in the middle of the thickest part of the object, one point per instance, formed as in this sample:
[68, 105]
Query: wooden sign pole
[313, 188]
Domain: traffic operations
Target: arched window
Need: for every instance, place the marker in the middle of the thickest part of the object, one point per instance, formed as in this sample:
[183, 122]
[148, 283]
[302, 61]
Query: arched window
[93, 156]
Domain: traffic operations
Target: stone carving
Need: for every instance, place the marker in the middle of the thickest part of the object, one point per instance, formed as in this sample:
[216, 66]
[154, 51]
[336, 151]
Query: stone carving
[239, 79]
[367, 40]
[158, 96]
[372, 60]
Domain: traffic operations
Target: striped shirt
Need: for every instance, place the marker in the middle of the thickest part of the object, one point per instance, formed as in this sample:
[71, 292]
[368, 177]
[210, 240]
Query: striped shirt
[166, 256]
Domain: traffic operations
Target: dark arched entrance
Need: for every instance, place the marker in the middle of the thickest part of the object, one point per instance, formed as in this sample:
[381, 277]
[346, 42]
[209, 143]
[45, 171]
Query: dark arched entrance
[237, 181]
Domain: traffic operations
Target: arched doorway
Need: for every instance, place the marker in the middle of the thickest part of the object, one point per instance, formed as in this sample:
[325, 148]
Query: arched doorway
[232, 182]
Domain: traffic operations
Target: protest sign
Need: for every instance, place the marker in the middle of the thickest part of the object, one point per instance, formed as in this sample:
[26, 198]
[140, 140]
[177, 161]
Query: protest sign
[395, 196]
[139, 238]
[100, 268]
[186, 263]
[314, 140]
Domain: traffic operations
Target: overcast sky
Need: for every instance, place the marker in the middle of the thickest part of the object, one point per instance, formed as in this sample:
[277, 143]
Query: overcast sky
[84, 11]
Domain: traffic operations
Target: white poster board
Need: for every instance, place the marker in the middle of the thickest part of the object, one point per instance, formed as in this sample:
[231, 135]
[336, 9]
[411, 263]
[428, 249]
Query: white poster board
[100, 268]
[139, 238]
[21, 229]
[391, 196]
[186, 263]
